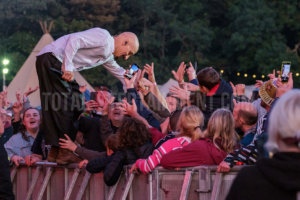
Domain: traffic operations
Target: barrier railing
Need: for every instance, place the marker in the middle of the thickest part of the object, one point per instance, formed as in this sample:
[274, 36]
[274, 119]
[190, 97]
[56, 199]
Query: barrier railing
[49, 181]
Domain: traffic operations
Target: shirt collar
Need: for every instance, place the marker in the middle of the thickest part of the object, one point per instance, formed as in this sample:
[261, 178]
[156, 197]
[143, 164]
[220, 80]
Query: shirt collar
[213, 90]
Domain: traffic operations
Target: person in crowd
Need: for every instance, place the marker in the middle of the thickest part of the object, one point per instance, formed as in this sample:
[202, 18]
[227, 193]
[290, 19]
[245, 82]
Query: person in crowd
[277, 177]
[19, 146]
[245, 116]
[217, 141]
[6, 192]
[111, 120]
[134, 142]
[213, 93]
[250, 154]
[55, 66]
[190, 124]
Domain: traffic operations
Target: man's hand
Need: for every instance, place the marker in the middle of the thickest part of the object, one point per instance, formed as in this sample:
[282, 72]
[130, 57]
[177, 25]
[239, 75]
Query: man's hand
[68, 76]
[17, 159]
[223, 167]
[67, 143]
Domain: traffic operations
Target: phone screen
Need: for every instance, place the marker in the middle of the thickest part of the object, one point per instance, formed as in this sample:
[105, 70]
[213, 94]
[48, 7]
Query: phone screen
[133, 69]
[286, 69]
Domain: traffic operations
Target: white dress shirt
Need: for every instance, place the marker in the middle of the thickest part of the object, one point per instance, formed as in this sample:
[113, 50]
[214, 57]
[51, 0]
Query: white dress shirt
[86, 49]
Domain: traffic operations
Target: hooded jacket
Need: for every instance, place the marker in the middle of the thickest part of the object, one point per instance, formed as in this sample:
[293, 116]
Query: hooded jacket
[276, 178]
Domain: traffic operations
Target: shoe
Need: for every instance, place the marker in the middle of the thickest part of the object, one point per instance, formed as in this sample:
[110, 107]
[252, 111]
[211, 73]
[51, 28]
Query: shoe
[52, 155]
[66, 157]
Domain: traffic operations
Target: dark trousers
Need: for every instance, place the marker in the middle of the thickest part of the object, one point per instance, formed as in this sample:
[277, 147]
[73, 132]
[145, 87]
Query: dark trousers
[6, 192]
[61, 101]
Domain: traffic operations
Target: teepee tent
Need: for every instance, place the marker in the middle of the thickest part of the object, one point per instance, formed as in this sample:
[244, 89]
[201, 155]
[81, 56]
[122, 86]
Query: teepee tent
[27, 77]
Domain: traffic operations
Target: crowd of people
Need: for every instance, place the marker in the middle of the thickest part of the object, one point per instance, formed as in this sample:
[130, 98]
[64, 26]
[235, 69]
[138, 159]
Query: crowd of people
[202, 121]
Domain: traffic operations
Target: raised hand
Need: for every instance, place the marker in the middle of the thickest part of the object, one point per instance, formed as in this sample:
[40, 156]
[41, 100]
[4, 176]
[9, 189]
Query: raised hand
[282, 87]
[179, 75]
[191, 72]
[240, 89]
[129, 109]
[30, 91]
[150, 71]
[180, 93]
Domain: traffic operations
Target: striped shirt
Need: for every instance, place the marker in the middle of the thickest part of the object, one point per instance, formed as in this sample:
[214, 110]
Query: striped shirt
[147, 165]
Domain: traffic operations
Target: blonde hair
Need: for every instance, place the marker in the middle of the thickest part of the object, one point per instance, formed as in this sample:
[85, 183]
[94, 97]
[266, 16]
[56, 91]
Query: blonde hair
[190, 122]
[221, 125]
[284, 121]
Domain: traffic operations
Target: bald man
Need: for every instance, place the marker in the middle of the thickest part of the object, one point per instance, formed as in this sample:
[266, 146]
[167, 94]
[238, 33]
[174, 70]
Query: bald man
[61, 99]
[245, 116]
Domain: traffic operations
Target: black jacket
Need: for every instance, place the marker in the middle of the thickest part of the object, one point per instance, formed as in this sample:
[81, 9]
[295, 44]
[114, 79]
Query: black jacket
[208, 104]
[276, 178]
[112, 166]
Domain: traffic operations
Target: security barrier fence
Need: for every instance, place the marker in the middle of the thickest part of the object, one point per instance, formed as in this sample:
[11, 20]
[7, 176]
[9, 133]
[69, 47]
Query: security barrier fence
[49, 181]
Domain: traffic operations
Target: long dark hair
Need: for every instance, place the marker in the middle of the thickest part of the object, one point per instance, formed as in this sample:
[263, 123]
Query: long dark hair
[133, 133]
[23, 128]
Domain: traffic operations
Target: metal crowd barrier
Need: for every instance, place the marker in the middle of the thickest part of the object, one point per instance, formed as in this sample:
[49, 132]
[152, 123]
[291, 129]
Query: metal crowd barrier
[49, 181]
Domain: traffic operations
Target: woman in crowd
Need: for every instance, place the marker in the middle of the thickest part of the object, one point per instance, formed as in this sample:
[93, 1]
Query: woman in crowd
[217, 141]
[21, 146]
[277, 177]
[189, 124]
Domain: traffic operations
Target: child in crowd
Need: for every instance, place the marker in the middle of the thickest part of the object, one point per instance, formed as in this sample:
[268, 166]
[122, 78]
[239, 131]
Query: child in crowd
[218, 140]
[111, 144]
[133, 141]
[189, 124]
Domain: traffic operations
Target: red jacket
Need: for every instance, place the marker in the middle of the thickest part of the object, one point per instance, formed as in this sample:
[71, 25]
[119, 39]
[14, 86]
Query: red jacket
[200, 152]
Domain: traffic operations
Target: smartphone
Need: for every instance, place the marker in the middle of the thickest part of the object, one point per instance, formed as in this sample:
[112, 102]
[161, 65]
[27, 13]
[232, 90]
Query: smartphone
[285, 70]
[93, 96]
[132, 71]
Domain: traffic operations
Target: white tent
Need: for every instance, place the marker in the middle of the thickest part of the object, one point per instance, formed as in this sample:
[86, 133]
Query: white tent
[27, 77]
[164, 89]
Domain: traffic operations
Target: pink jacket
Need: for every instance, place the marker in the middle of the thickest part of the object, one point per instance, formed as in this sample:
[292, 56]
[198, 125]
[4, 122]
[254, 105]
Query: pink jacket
[147, 165]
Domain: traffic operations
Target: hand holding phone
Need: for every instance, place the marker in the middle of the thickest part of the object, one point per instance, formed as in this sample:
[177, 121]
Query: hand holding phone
[132, 71]
[285, 70]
